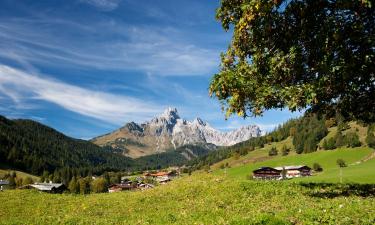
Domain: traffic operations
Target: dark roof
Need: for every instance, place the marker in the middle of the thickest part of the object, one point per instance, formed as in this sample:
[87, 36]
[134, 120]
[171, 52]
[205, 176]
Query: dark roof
[4, 182]
[265, 169]
[47, 186]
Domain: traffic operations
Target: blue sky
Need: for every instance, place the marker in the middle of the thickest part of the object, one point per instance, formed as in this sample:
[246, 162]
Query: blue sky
[86, 67]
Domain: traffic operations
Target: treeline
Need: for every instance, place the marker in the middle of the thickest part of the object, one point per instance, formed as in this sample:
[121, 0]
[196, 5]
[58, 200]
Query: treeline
[75, 182]
[306, 131]
[37, 149]
[32, 147]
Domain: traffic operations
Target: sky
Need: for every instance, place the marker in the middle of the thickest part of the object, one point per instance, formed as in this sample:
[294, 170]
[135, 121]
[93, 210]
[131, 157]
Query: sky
[87, 67]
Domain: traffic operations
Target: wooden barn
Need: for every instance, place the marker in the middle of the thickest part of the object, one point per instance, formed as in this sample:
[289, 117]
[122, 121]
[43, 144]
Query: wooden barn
[267, 173]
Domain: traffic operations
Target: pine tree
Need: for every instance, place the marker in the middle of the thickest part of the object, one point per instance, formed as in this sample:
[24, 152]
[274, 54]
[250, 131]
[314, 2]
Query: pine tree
[339, 139]
[73, 186]
[370, 139]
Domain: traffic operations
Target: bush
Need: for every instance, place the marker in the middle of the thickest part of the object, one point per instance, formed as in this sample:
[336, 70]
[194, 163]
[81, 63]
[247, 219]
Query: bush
[317, 167]
[272, 152]
[352, 140]
[285, 150]
[339, 139]
[370, 139]
[99, 185]
[341, 163]
[329, 144]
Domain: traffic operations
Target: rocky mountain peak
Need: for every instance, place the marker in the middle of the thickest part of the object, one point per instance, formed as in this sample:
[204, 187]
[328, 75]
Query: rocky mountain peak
[168, 131]
[199, 121]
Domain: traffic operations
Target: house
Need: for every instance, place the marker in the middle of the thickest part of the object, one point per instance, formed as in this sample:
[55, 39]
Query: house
[295, 171]
[267, 173]
[47, 187]
[162, 177]
[3, 183]
[122, 187]
[278, 173]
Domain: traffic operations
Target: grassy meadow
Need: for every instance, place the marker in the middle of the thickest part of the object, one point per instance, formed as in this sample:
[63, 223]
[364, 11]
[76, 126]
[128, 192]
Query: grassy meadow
[198, 199]
[357, 170]
[224, 196]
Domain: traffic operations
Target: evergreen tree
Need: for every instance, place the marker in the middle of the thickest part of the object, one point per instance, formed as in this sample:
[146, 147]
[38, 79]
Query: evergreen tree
[272, 151]
[351, 139]
[12, 182]
[339, 139]
[370, 139]
[341, 163]
[74, 186]
[284, 150]
[317, 167]
[84, 186]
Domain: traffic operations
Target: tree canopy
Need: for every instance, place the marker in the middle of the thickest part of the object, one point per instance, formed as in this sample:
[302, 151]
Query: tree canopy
[298, 54]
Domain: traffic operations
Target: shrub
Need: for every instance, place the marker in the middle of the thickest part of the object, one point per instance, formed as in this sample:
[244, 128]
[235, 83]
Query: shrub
[285, 150]
[99, 185]
[317, 167]
[370, 139]
[329, 144]
[272, 152]
[341, 163]
[352, 140]
[339, 139]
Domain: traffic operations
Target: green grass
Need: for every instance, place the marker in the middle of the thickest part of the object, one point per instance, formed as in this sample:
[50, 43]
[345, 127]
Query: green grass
[327, 159]
[19, 174]
[198, 199]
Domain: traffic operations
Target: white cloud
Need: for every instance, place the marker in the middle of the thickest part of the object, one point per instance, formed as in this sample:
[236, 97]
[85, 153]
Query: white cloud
[109, 45]
[100, 105]
[105, 5]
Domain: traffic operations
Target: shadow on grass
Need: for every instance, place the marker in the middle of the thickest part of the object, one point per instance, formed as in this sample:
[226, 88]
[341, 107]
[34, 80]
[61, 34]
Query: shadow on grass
[334, 190]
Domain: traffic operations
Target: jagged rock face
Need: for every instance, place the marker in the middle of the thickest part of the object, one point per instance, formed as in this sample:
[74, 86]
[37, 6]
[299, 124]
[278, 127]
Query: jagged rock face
[169, 131]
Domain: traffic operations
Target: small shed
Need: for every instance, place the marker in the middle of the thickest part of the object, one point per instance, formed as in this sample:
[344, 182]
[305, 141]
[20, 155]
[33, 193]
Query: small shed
[267, 173]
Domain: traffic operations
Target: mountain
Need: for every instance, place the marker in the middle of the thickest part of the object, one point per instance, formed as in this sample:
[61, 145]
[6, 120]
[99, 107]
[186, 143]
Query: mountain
[169, 131]
[33, 147]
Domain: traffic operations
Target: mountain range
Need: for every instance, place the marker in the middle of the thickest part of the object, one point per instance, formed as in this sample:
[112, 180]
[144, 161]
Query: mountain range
[169, 131]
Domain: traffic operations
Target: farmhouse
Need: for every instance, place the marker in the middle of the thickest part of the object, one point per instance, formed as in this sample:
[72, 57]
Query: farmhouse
[47, 187]
[295, 171]
[282, 172]
[162, 177]
[122, 187]
[267, 173]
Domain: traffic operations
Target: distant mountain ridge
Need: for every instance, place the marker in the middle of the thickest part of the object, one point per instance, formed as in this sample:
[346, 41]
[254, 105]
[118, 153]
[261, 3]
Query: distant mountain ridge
[170, 131]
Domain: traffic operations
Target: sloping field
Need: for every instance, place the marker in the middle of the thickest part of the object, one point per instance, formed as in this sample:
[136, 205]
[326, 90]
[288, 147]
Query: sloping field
[198, 199]
[355, 172]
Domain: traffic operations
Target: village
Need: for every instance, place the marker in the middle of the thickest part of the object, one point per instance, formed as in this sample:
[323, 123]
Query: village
[149, 180]
[128, 183]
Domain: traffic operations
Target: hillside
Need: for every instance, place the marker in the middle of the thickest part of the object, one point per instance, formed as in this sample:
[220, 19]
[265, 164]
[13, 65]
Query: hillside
[33, 147]
[198, 199]
[169, 131]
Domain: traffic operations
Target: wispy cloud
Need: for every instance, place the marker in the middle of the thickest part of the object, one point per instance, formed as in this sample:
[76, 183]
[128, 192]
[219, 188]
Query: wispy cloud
[107, 107]
[108, 45]
[105, 5]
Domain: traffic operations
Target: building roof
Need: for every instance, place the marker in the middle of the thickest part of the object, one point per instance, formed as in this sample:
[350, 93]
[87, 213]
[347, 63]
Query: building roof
[264, 169]
[46, 186]
[291, 167]
[4, 182]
